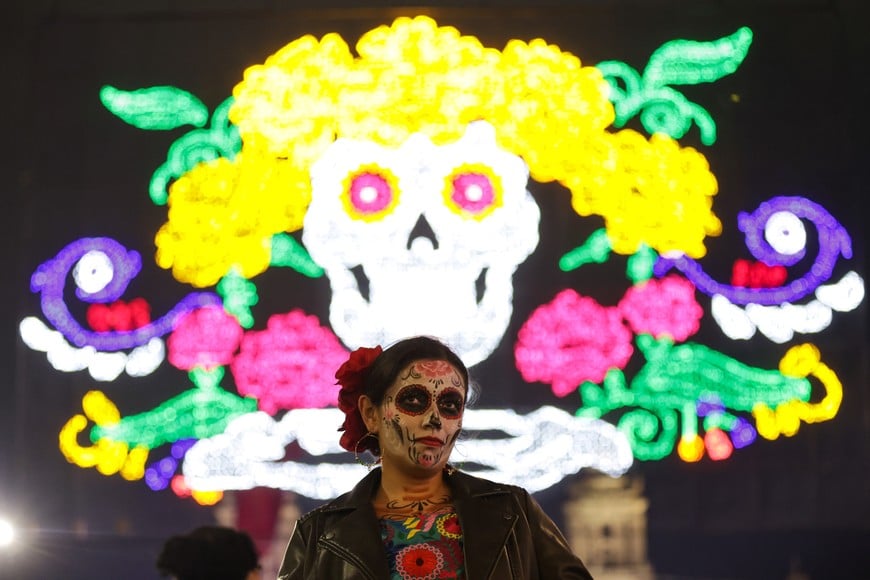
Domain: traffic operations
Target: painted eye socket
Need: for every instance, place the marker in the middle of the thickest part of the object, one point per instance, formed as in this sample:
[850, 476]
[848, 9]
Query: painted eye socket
[413, 399]
[473, 190]
[450, 404]
[785, 233]
[370, 193]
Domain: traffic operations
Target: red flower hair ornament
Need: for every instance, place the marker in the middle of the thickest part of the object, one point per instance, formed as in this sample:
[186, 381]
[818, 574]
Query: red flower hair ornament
[352, 377]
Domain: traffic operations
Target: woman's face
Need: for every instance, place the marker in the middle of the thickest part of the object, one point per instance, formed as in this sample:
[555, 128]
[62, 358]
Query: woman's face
[421, 415]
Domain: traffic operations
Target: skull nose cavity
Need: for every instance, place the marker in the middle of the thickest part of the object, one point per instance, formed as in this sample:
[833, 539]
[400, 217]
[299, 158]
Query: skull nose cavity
[419, 233]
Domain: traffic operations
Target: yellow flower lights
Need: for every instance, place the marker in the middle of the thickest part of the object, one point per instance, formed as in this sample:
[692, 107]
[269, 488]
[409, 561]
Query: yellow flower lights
[223, 214]
[657, 194]
[106, 455]
[785, 419]
[415, 76]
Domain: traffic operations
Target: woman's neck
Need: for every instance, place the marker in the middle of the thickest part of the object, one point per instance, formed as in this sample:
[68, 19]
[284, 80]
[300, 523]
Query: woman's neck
[403, 495]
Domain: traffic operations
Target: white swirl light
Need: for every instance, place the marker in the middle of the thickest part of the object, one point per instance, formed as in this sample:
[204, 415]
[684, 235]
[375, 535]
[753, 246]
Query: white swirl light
[535, 451]
[780, 323]
[102, 366]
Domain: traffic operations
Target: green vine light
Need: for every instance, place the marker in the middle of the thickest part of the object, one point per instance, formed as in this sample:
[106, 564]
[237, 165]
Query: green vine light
[670, 385]
[166, 108]
[662, 108]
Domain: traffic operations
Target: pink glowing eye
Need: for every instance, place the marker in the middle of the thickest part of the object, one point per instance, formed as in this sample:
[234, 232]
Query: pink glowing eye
[473, 191]
[370, 194]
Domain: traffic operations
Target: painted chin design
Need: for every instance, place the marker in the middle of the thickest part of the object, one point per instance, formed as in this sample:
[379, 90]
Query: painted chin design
[426, 456]
[428, 450]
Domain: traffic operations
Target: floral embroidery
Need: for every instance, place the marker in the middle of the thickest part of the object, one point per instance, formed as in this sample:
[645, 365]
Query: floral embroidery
[448, 525]
[425, 547]
[422, 561]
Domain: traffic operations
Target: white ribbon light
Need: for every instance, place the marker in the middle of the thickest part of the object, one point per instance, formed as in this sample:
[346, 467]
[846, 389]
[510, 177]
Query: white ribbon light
[534, 451]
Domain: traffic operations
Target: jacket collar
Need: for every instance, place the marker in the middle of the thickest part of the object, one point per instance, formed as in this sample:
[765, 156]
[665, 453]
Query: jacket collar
[487, 514]
[354, 530]
[462, 485]
[486, 511]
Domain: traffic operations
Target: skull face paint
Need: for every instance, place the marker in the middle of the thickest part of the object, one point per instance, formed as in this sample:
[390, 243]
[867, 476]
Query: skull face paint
[422, 415]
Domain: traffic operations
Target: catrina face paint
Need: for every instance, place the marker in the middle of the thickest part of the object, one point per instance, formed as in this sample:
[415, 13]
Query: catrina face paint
[422, 414]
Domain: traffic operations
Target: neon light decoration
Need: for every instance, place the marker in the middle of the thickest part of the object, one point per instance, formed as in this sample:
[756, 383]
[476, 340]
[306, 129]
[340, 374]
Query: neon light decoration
[468, 234]
[102, 269]
[775, 234]
[157, 108]
[414, 159]
[290, 365]
[102, 366]
[678, 62]
[544, 447]
[107, 456]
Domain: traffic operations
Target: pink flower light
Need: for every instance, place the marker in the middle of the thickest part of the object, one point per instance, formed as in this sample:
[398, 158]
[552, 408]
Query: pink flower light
[662, 307]
[205, 337]
[290, 365]
[571, 340]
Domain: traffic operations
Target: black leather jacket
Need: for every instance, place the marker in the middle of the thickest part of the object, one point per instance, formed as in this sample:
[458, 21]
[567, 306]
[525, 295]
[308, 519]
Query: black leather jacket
[506, 536]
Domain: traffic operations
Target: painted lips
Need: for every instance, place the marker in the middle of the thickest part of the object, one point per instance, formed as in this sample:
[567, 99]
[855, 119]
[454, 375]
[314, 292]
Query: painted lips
[430, 441]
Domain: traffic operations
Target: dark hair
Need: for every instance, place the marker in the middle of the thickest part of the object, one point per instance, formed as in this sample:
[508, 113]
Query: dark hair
[209, 553]
[389, 363]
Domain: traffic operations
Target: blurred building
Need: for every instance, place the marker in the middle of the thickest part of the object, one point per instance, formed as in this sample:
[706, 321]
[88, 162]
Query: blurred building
[605, 522]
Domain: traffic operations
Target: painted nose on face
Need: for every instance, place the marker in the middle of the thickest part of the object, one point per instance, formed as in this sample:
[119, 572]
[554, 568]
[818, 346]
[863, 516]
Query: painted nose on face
[434, 419]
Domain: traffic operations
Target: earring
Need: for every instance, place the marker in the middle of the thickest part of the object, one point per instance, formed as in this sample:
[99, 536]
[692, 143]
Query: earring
[356, 452]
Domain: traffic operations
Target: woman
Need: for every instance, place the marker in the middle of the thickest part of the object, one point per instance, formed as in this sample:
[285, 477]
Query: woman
[417, 516]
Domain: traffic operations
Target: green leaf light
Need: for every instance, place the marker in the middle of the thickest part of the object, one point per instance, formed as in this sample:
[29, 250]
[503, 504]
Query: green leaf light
[196, 413]
[155, 108]
[287, 252]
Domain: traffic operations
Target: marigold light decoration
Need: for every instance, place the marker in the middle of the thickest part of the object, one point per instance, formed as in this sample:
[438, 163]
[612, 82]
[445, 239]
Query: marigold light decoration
[416, 155]
[223, 215]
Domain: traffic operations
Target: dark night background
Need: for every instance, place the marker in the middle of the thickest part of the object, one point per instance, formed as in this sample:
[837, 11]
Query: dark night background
[791, 121]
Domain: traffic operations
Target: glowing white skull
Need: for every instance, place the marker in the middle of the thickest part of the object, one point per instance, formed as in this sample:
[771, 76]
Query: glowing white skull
[427, 227]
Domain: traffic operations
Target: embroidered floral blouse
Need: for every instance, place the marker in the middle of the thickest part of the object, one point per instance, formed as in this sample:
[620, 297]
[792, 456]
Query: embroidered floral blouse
[427, 547]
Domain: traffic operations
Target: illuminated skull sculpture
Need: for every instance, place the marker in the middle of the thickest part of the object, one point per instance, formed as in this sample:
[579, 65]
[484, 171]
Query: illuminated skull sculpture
[422, 239]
